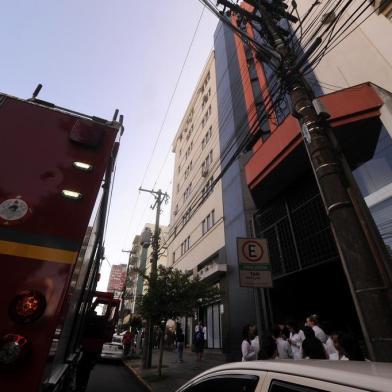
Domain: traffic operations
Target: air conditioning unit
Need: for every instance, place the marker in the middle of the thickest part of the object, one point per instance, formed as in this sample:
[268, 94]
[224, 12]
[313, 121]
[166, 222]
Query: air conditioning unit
[204, 171]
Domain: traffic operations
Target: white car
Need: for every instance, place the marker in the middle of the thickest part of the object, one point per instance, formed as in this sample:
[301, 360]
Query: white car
[294, 376]
[113, 349]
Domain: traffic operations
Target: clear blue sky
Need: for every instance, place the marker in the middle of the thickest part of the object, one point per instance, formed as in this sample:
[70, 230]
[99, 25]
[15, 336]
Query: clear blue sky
[94, 56]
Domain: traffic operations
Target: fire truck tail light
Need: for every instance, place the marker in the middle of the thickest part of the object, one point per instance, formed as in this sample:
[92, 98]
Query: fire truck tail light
[13, 349]
[71, 194]
[27, 306]
[82, 166]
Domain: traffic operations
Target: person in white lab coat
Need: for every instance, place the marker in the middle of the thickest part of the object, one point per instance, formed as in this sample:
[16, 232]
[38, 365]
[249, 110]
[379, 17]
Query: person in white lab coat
[255, 343]
[282, 345]
[295, 339]
[248, 352]
[312, 322]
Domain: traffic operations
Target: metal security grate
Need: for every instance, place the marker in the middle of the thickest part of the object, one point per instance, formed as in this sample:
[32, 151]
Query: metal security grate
[297, 229]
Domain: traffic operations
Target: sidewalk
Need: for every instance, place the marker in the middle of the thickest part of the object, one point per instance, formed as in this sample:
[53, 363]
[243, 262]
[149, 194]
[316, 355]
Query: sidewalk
[174, 374]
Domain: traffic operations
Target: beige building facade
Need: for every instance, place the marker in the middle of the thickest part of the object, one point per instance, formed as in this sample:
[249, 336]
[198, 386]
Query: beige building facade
[196, 235]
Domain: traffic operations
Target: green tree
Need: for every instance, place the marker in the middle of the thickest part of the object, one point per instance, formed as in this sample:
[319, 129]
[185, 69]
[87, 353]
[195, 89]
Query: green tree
[170, 295]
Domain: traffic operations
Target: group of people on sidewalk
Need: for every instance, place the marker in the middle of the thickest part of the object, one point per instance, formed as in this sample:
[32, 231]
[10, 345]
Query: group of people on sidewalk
[289, 341]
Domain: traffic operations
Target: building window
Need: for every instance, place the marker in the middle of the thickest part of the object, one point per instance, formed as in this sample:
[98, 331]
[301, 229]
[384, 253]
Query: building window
[206, 138]
[208, 188]
[186, 216]
[205, 83]
[187, 191]
[174, 257]
[206, 164]
[188, 169]
[178, 188]
[206, 116]
[189, 150]
[206, 96]
[208, 222]
[185, 245]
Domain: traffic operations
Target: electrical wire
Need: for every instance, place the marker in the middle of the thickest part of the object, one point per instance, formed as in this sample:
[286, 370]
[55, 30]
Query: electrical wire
[335, 44]
[198, 134]
[167, 111]
[228, 147]
[197, 204]
[172, 96]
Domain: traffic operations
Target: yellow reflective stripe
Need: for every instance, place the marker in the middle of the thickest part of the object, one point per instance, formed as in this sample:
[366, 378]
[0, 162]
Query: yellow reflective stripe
[37, 252]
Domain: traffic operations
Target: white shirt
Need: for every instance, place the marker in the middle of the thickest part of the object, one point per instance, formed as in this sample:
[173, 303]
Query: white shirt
[320, 334]
[335, 357]
[329, 347]
[248, 352]
[296, 340]
[284, 349]
[256, 345]
[204, 331]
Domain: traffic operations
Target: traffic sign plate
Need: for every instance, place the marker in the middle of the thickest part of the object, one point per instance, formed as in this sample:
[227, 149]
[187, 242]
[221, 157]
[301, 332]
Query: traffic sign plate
[254, 263]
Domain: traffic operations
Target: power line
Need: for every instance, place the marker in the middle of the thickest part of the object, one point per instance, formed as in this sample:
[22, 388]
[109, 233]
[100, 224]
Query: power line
[165, 116]
[172, 96]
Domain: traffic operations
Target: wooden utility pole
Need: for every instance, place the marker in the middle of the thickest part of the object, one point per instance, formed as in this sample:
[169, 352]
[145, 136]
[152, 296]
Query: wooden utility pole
[363, 263]
[160, 197]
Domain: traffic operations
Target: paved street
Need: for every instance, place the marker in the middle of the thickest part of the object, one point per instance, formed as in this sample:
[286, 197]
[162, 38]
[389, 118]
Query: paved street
[113, 377]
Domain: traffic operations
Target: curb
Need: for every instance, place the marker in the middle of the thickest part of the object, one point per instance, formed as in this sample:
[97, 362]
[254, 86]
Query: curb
[146, 387]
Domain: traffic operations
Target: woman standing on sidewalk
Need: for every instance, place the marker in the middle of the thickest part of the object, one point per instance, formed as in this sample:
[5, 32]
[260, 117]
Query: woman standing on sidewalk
[248, 352]
[295, 339]
[180, 338]
[199, 340]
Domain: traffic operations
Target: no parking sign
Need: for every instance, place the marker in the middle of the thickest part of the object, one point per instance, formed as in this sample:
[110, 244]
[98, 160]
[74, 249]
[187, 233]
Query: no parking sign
[254, 262]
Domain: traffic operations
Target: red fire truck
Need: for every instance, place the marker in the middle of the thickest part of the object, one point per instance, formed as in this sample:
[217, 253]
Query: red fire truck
[55, 180]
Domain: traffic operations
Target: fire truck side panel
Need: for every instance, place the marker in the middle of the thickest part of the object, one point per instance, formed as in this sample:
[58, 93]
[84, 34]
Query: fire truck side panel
[37, 158]
[48, 278]
[39, 244]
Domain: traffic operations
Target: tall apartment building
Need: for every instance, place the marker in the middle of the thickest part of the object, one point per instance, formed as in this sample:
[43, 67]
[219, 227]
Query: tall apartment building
[128, 307]
[196, 237]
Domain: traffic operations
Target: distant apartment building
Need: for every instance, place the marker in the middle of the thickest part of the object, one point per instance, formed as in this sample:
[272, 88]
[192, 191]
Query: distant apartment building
[117, 278]
[196, 237]
[162, 257]
[140, 259]
[131, 281]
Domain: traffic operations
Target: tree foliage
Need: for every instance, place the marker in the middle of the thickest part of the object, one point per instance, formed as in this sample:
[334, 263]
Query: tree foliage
[173, 293]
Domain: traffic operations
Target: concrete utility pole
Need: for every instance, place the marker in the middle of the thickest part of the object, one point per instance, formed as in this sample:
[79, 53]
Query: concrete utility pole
[363, 263]
[160, 197]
